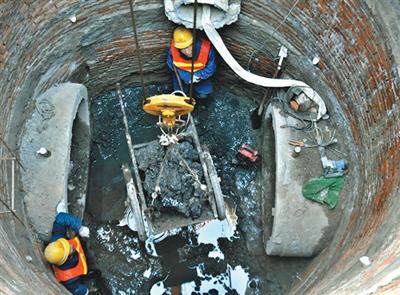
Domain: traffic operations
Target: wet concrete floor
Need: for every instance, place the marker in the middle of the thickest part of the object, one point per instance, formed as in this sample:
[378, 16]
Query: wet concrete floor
[212, 258]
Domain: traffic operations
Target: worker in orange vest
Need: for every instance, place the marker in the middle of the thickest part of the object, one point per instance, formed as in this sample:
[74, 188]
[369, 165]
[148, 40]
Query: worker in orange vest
[67, 256]
[180, 56]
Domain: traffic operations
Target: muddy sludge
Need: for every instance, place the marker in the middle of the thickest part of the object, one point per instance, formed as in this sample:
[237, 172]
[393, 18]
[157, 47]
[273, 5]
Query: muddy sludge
[186, 258]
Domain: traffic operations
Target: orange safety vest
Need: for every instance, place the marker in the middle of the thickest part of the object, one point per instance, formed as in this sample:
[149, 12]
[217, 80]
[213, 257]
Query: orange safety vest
[78, 270]
[186, 64]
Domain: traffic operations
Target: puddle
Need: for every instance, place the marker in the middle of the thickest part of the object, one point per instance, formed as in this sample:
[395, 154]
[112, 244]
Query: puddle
[234, 280]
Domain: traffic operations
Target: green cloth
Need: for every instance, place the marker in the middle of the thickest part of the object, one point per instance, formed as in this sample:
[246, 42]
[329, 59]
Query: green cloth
[324, 190]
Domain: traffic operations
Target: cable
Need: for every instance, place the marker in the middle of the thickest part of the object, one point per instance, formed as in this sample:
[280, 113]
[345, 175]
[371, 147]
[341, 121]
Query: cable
[193, 51]
[273, 32]
[138, 51]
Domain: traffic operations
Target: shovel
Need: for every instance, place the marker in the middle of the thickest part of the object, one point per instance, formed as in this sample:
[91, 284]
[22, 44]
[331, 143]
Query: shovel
[256, 115]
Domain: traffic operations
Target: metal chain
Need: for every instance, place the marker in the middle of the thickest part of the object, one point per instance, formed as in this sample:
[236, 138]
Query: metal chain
[138, 51]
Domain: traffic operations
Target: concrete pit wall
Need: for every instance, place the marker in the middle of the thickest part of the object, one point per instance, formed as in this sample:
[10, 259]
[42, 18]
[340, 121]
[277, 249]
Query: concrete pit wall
[358, 73]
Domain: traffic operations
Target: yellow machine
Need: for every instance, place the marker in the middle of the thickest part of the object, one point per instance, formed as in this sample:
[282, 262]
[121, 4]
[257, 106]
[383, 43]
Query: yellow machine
[169, 107]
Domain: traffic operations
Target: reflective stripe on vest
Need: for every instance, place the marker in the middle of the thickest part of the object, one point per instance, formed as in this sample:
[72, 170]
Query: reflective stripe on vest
[186, 64]
[78, 270]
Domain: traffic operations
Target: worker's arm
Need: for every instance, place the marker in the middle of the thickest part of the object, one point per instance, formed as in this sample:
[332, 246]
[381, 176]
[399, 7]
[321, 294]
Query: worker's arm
[62, 223]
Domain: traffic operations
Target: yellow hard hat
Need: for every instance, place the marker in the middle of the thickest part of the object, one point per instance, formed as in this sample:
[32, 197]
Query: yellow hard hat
[57, 252]
[182, 37]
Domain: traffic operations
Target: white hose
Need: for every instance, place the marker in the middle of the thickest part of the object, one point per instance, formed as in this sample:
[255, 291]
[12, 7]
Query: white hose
[216, 40]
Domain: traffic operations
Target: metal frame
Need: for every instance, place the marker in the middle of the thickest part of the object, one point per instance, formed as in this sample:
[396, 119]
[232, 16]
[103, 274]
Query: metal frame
[215, 196]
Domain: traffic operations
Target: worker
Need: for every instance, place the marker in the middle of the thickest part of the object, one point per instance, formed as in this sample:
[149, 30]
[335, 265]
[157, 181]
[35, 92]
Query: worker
[67, 256]
[180, 56]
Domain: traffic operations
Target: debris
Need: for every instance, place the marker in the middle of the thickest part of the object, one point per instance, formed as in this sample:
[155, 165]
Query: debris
[247, 153]
[61, 207]
[28, 258]
[324, 190]
[43, 152]
[365, 261]
[177, 180]
[147, 273]
[334, 168]
[73, 18]
[296, 152]
[301, 103]
[166, 139]
[316, 60]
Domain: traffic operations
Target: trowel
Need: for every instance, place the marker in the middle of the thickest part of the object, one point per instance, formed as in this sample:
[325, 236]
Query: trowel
[256, 115]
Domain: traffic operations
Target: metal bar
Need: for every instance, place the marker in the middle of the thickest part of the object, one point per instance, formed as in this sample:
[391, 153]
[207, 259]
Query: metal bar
[196, 140]
[11, 211]
[7, 158]
[12, 184]
[219, 197]
[133, 202]
[142, 145]
[178, 78]
[130, 146]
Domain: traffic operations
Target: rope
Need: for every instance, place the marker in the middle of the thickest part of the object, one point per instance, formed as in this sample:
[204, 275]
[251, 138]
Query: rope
[273, 33]
[138, 51]
[194, 51]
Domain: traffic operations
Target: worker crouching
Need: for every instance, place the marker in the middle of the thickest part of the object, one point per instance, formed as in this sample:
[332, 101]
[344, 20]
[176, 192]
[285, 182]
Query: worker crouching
[179, 61]
[67, 256]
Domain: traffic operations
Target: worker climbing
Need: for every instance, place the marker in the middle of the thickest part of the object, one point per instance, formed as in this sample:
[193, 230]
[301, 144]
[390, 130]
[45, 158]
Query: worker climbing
[68, 256]
[183, 49]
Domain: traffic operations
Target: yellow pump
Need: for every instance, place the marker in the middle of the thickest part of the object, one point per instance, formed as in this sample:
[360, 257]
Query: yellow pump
[169, 107]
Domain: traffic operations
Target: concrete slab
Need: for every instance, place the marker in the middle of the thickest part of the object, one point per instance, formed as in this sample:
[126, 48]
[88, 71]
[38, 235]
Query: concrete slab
[298, 224]
[60, 123]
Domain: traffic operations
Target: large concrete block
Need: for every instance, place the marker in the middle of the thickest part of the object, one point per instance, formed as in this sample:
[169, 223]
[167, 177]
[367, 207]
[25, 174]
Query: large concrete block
[60, 123]
[299, 225]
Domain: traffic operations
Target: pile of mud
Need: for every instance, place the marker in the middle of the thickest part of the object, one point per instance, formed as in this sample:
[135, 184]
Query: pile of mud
[173, 178]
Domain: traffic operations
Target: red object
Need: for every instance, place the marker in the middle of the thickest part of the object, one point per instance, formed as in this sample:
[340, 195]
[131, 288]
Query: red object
[76, 271]
[186, 64]
[248, 153]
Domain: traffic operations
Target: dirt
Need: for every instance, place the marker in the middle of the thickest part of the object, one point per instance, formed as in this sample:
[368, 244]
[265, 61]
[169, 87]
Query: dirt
[173, 175]
[203, 258]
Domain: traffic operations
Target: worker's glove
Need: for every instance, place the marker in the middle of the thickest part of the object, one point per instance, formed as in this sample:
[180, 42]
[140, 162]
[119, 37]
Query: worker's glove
[196, 79]
[84, 232]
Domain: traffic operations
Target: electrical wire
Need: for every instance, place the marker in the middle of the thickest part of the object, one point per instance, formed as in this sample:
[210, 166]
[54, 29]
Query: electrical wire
[138, 51]
[193, 51]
